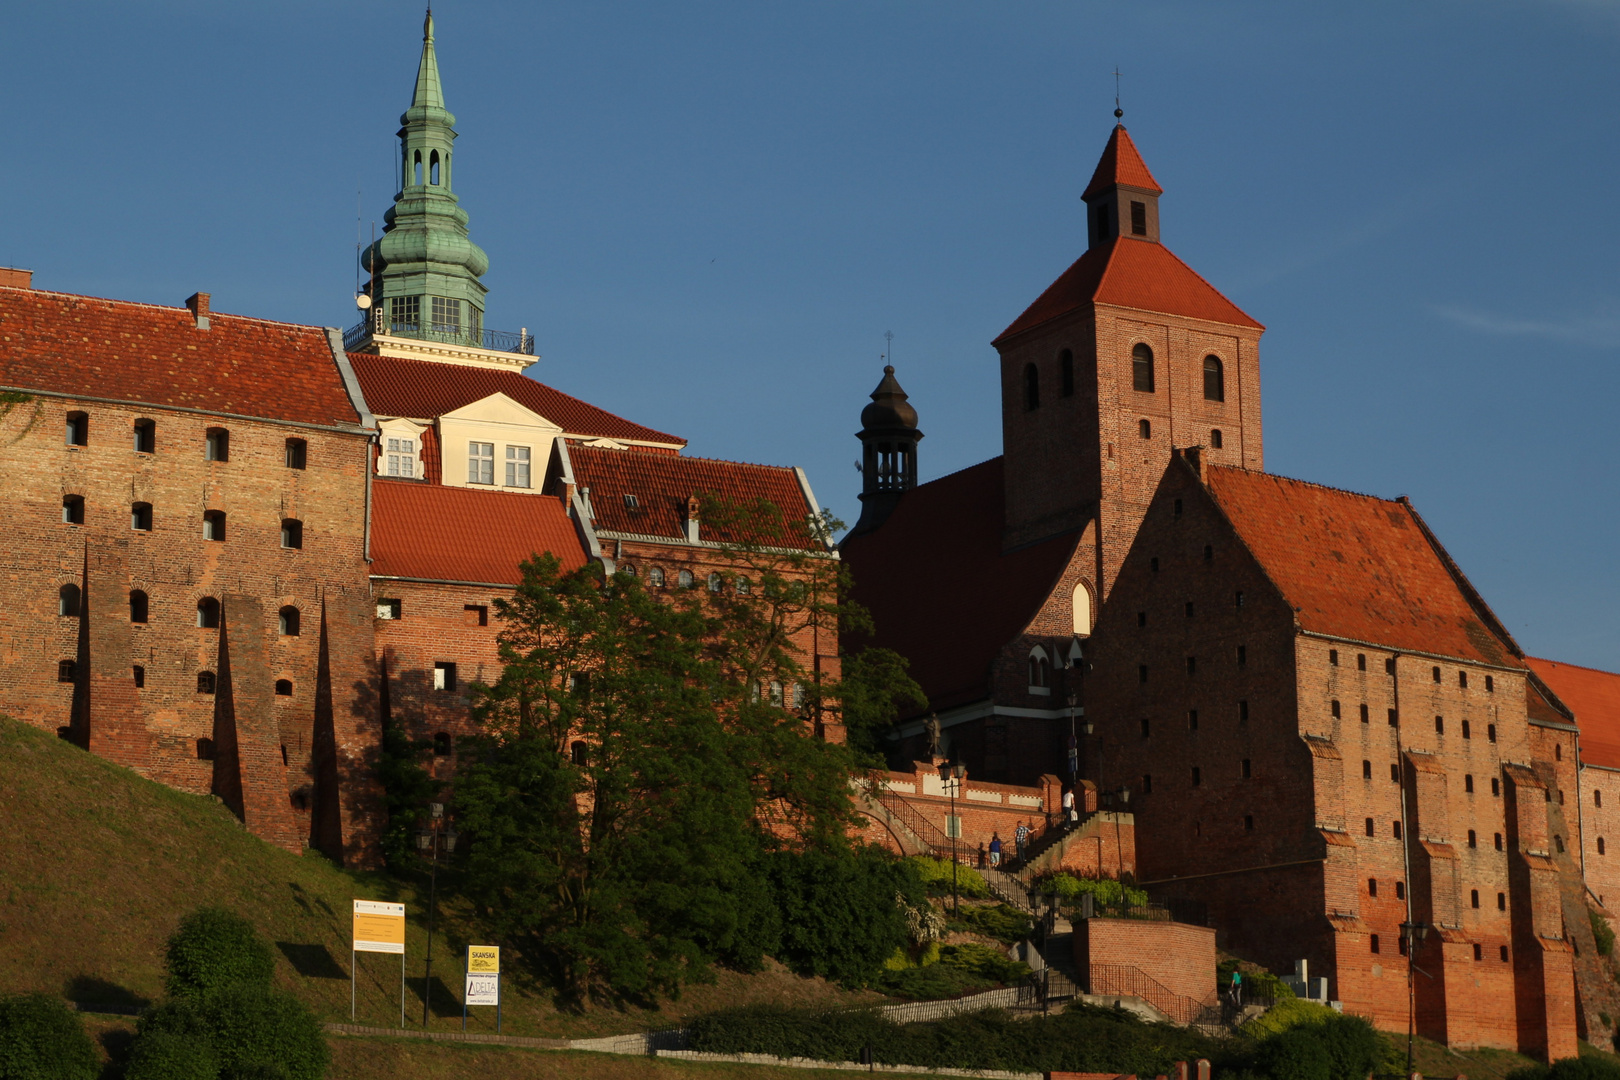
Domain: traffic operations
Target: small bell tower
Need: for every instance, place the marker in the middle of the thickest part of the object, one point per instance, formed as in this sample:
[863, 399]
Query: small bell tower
[889, 438]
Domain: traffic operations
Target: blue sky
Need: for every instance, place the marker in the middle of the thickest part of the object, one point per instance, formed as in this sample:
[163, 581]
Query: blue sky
[710, 213]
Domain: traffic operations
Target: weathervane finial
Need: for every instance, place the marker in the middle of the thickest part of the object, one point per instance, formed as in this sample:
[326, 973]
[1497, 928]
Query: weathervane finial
[1119, 113]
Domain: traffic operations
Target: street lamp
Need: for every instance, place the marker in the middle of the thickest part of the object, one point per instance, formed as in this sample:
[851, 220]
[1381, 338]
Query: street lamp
[1414, 933]
[952, 776]
[429, 841]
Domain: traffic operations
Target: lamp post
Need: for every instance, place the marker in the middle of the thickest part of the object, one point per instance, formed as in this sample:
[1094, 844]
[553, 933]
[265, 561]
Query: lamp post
[429, 840]
[952, 776]
[1414, 933]
[1074, 745]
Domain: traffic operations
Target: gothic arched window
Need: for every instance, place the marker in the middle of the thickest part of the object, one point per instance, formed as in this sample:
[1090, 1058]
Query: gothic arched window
[1142, 368]
[1214, 379]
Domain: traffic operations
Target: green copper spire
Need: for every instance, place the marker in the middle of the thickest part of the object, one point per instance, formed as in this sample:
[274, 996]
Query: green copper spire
[425, 269]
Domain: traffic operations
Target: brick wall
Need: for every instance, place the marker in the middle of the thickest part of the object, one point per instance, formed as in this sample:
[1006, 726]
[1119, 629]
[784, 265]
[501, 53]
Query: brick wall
[176, 567]
[1177, 956]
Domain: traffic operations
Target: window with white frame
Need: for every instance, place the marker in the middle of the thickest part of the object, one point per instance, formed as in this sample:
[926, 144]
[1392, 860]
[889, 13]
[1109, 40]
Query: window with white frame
[480, 463]
[517, 466]
[401, 457]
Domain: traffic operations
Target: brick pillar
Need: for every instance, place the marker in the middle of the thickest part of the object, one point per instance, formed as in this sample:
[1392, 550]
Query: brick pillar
[348, 806]
[1543, 974]
[107, 708]
[250, 775]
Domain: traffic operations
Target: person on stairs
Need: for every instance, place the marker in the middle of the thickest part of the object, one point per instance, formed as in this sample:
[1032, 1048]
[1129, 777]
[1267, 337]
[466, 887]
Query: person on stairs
[995, 850]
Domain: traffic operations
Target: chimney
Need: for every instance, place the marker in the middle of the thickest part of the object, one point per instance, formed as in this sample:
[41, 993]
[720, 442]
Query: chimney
[16, 279]
[198, 303]
[692, 519]
[1195, 458]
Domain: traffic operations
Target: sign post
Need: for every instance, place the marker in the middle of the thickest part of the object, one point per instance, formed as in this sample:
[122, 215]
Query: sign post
[378, 927]
[483, 981]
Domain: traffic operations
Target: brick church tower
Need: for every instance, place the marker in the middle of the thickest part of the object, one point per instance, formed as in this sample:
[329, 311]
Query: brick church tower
[1127, 355]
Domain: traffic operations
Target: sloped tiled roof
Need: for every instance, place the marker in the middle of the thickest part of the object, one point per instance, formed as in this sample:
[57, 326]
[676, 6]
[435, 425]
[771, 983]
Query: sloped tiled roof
[1594, 697]
[1129, 272]
[66, 344]
[423, 389]
[1359, 567]
[662, 483]
[1121, 164]
[461, 534]
[941, 591]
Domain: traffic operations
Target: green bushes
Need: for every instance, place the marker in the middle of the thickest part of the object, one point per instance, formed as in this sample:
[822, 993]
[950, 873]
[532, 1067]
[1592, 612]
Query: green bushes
[1003, 922]
[958, 970]
[42, 1039]
[1107, 892]
[936, 876]
[1603, 932]
[1288, 1013]
[837, 916]
[222, 1020]
[214, 948]
[1586, 1068]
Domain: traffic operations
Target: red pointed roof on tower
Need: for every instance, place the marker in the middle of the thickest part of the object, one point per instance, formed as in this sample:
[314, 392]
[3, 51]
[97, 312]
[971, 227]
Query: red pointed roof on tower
[1121, 164]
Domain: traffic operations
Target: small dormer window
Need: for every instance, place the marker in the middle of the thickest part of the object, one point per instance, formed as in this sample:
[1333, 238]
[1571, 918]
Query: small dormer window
[401, 459]
[1138, 218]
[480, 463]
[631, 503]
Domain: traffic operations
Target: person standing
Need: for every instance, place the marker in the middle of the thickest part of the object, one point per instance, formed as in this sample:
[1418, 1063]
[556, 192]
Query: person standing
[1068, 808]
[1021, 839]
[995, 849]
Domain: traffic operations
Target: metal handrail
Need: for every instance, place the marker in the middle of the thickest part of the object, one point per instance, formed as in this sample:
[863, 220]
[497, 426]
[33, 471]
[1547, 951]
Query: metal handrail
[521, 342]
[1126, 980]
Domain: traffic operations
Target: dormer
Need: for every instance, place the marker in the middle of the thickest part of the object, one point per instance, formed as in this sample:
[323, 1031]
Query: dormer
[496, 443]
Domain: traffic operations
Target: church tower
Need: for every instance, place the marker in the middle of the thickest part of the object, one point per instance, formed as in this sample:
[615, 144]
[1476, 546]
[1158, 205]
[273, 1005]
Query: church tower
[889, 438]
[1127, 355]
[424, 270]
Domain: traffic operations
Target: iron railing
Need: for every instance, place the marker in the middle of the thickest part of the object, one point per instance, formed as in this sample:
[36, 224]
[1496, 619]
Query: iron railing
[521, 342]
[1126, 980]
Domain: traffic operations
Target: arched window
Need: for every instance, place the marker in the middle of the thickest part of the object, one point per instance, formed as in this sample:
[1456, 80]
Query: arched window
[1039, 668]
[145, 436]
[292, 533]
[684, 579]
[1214, 379]
[743, 586]
[78, 429]
[1142, 368]
[1032, 388]
[140, 517]
[776, 693]
[67, 600]
[137, 606]
[433, 168]
[73, 509]
[443, 744]
[205, 682]
[1066, 373]
[714, 583]
[655, 577]
[1144, 428]
[419, 168]
[217, 444]
[66, 671]
[284, 688]
[213, 525]
[798, 695]
[208, 614]
[628, 568]
[1082, 610]
[288, 621]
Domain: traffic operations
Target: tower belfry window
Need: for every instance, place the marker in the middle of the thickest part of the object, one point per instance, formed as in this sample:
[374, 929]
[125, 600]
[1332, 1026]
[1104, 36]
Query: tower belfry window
[433, 168]
[1214, 379]
[1138, 218]
[1032, 388]
[446, 315]
[1142, 368]
[419, 168]
[405, 313]
[1066, 373]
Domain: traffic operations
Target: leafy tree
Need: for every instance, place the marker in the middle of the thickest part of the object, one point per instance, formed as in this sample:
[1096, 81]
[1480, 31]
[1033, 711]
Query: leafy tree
[876, 690]
[42, 1039]
[214, 948]
[407, 786]
[840, 919]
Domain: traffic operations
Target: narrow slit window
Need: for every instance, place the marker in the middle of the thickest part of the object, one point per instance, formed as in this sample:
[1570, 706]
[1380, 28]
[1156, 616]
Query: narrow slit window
[1138, 218]
[208, 613]
[67, 601]
[1032, 388]
[1144, 428]
[1066, 373]
[73, 509]
[289, 621]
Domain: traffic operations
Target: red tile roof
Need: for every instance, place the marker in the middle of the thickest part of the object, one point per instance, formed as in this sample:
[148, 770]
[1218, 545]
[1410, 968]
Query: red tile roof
[941, 591]
[460, 534]
[1131, 273]
[1359, 567]
[66, 344]
[1121, 164]
[1594, 697]
[423, 389]
[662, 483]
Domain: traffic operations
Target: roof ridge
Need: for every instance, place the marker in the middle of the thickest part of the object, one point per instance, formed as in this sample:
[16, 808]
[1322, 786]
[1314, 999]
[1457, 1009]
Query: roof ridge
[165, 307]
[684, 457]
[1213, 467]
[1566, 663]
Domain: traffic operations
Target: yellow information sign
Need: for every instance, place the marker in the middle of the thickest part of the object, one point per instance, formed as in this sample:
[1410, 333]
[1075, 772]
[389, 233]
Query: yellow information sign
[379, 927]
[483, 959]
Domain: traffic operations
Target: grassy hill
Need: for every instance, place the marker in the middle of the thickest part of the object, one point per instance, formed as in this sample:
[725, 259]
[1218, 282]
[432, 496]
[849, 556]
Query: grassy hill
[97, 866]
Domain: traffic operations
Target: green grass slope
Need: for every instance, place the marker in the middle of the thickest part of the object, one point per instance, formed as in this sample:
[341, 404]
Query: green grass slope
[98, 866]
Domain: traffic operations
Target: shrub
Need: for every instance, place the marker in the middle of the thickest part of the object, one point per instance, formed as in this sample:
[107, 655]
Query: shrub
[1297, 1055]
[252, 1032]
[1003, 922]
[1256, 980]
[983, 961]
[1585, 1068]
[839, 914]
[935, 874]
[214, 948]
[165, 1055]
[1603, 932]
[42, 1039]
[1289, 1012]
[1106, 890]
[1346, 1047]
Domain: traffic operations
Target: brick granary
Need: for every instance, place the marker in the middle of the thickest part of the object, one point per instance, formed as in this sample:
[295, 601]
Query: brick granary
[1323, 734]
[241, 547]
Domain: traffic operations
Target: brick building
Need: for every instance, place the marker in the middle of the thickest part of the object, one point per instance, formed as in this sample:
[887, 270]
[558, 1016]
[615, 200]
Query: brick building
[1323, 730]
[240, 547]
